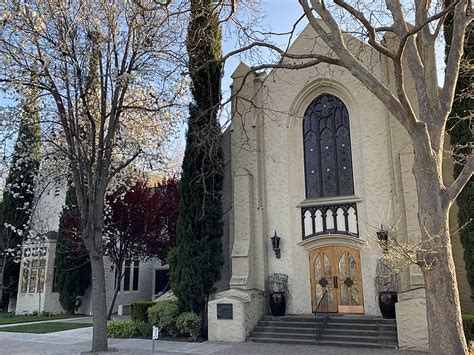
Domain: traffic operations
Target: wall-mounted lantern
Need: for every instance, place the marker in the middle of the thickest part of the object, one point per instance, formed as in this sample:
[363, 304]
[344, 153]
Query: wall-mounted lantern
[382, 236]
[276, 245]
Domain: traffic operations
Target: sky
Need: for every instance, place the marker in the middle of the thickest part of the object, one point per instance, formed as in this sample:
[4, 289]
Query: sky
[277, 16]
[280, 15]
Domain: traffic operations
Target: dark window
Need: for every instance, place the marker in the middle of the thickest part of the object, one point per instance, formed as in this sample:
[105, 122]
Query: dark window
[55, 279]
[161, 280]
[126, 276]
[136, 270]
[327, 148]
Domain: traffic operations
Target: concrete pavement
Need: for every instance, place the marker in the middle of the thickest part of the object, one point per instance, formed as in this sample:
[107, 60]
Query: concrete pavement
[77, 341]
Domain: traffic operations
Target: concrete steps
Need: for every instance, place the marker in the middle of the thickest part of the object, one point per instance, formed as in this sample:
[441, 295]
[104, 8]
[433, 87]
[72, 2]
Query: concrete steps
[340, 330]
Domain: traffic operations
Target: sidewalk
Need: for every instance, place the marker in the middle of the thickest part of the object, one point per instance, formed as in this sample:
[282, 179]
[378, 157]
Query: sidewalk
[78, 340]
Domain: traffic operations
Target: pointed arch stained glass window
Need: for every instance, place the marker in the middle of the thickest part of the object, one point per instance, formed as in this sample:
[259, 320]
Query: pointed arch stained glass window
[327, 148]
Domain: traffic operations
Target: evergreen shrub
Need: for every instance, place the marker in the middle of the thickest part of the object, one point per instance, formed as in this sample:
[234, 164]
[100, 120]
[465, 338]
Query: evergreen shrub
[188, 325]
[122, 329]
[459, 129]
[164, 315]
[128, 329]
[196, 262]
[144, 330]
[139, 310]
[72, 267]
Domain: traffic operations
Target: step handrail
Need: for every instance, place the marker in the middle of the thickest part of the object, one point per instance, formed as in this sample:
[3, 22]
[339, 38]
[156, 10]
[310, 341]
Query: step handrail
[321, 311]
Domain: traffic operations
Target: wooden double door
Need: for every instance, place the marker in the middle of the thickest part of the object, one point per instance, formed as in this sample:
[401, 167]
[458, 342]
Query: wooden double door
[336, 270]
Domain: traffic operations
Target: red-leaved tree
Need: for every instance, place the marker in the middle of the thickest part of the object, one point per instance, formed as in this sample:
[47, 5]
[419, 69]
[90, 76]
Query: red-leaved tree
[140, 223]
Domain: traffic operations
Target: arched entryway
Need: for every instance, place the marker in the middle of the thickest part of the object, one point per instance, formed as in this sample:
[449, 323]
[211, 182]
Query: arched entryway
[336, 269]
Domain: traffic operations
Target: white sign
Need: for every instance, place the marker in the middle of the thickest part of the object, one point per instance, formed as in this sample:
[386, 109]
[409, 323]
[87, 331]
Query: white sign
[156, 333]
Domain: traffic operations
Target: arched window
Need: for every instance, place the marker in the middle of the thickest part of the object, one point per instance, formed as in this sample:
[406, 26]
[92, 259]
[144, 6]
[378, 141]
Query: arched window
[327, 148]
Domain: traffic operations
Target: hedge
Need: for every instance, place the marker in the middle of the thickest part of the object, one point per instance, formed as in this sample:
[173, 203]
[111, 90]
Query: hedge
[128, 329]
[139, 310]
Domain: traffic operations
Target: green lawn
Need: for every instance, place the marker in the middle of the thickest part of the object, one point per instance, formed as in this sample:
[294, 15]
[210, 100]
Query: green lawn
[43, 328]
[8, 318]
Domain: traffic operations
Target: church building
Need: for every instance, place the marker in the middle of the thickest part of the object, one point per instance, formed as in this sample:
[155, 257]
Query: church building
[316, 161]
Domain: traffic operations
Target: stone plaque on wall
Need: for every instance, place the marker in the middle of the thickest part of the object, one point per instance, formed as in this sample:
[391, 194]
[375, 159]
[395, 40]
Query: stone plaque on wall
[225, 311]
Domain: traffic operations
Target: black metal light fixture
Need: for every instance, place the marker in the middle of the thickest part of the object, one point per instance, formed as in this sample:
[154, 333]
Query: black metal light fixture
[382, 236]
[276, 245]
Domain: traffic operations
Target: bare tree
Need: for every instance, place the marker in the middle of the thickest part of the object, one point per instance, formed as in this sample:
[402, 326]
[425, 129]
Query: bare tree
[109, 75]
[405, 32]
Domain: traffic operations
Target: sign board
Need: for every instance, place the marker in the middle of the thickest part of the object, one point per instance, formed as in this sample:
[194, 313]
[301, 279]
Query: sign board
[156, 333]
[225, 311]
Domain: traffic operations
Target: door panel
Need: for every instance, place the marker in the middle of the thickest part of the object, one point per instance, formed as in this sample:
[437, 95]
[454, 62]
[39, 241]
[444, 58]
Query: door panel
[350, 285]
[322, 278]
[337, 270]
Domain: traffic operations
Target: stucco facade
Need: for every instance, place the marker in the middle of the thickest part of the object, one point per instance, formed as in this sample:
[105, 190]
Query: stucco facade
[265, 186]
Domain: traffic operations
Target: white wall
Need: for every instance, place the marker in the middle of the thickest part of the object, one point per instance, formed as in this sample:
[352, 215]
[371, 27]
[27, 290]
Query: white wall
[50, 197]
[145, 284]
[47, 301]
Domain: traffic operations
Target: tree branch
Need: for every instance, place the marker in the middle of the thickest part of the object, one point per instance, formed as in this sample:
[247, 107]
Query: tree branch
[122, 166]
[463, 178]
[335, 41]
[368, 26]
[460, 23]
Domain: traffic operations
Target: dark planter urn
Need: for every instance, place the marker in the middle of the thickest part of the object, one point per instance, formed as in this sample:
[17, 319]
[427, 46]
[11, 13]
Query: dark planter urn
[278, 304]
[387, 302]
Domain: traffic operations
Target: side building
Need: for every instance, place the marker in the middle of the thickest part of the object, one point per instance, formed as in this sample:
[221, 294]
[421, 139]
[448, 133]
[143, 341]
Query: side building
[37, 289]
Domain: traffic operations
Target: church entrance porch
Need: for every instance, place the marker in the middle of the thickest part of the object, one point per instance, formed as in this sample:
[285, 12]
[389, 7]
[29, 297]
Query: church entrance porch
[336, 269]
[349, 330]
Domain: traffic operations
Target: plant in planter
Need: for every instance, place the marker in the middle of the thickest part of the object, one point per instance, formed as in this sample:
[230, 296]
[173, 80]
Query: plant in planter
[279, 292]
[386, 285]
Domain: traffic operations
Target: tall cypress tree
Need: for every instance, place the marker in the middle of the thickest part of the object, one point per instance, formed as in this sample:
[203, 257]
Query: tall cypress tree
[196, 261]
[18, 195]
[461, 138]
[72, 265]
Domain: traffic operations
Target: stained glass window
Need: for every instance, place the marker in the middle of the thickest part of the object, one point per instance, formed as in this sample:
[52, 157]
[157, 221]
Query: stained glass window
[327, 148]
[41, 276]
[33, 275]
[25, 278]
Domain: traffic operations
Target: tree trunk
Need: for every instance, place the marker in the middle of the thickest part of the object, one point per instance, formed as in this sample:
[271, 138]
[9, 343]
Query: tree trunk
[445, 327]
[112, 303]
[2, 267]
[204, 327]
[99, 308]
[118, 280]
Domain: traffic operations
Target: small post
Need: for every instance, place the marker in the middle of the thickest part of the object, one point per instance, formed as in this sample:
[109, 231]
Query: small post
[155, 336]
